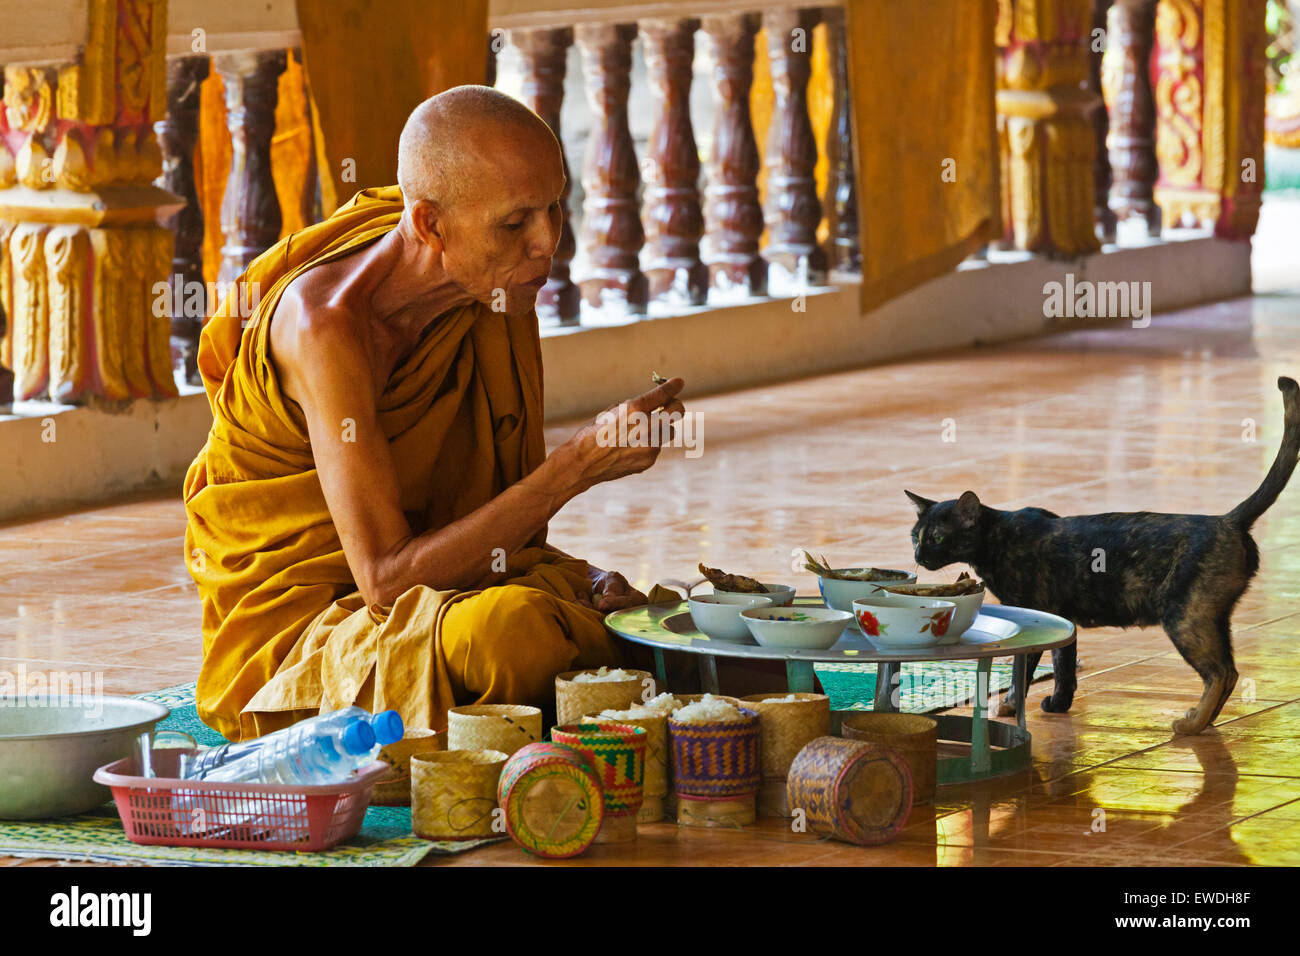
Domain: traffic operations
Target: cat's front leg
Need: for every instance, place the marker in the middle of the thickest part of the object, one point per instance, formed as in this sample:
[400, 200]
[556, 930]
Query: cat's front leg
[1011, 699]
[1065, 668]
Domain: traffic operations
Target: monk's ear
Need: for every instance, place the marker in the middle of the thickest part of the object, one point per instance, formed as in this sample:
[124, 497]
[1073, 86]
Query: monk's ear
[922, 505]
[968, 508]
[426, 220]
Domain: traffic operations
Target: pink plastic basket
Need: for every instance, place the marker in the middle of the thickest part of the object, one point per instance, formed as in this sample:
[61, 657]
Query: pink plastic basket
[167, 811]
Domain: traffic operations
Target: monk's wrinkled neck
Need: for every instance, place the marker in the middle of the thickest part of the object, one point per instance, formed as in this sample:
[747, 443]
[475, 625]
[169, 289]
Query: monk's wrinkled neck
[410, 289]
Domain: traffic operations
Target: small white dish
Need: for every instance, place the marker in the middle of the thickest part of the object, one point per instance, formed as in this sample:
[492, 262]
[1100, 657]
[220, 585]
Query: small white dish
[798, 628]
[917, 625]
[718, 615]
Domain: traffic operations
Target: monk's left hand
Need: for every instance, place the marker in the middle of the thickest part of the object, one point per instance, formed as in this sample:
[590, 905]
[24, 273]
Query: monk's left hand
[611, 592]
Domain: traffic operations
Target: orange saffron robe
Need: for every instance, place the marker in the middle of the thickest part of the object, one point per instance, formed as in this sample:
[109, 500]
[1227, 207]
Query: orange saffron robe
[285, 631]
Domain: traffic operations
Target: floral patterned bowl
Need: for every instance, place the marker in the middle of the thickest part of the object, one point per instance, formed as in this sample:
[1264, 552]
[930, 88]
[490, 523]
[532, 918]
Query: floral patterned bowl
[917, 625]
[802, 628]
[968, 606]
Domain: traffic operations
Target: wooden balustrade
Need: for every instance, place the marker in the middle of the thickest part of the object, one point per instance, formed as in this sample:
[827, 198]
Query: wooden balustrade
[842, 194]
[543, 54]
[792, 210]
[1102, 177]
[611, 221]
[732, 213]
[177, 133]
[1130, 103]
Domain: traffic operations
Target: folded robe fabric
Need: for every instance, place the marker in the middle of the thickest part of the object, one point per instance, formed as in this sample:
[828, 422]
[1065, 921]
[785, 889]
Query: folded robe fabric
[285, 631]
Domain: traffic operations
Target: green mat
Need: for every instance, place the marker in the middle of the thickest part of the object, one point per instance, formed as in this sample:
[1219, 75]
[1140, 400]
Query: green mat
[385, 838]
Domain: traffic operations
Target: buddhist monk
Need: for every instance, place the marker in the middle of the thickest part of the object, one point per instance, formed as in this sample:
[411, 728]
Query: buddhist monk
[367, 520]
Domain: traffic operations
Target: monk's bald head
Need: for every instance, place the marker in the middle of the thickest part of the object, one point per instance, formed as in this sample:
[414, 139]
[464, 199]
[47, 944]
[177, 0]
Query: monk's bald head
[448, 138]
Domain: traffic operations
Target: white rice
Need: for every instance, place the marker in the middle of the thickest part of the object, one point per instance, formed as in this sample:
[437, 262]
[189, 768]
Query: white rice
[788, 699]
[664, 704]
[661, 706]
[604, 674]
[708, 710]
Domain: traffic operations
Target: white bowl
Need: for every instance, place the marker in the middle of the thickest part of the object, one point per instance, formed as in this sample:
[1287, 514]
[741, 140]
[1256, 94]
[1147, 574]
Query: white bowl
[782, 595]
[841, 594]
[801, 628]
[915, 625]
[718, 615]
[968, 606]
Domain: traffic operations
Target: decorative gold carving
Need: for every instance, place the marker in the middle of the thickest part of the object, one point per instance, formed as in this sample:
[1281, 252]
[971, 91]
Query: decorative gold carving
[1179, 98]
[105, 168]
[111, 260]
[33, 165]
[29, 103]
[70, 170]
[8, 171]
[134, 306]
[6, 295]
[30, 316]
[66, 254]
[158, 247]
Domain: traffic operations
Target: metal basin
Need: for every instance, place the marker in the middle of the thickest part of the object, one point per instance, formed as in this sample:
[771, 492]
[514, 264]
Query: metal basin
[51, 747]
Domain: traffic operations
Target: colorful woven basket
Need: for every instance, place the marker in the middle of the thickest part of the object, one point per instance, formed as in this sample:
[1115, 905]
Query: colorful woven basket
[850, 790]
[617, 753]
[552, 800]
[787, 726]
[717, 759]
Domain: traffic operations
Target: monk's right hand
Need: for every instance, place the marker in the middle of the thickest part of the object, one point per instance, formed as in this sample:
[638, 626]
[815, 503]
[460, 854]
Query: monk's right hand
[606, 449]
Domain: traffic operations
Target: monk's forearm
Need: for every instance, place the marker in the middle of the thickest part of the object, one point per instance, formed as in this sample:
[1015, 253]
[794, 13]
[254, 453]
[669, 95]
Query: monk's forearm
[461, 555]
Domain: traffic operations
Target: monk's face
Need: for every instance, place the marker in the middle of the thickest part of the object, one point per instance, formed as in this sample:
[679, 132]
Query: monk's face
[499, 237]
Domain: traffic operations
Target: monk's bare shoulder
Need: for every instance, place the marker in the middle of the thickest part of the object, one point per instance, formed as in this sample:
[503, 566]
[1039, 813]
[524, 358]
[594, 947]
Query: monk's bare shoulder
[317, 338]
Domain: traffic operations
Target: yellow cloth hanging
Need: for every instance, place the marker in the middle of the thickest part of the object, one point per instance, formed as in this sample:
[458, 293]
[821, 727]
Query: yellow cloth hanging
[285, 631]
[922, 76]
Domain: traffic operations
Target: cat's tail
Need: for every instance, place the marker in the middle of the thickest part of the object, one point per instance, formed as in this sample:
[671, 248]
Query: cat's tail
[1245, 514]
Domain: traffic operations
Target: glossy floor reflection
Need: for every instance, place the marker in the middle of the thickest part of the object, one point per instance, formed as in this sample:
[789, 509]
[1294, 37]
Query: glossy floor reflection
[1108, 418]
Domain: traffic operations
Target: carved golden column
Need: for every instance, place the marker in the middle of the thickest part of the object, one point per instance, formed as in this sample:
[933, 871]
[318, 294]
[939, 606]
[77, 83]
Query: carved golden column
[84, 254]
[1044, 122]
[1209, 96]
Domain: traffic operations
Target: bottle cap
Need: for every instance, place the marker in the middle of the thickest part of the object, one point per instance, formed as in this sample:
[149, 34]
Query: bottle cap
[358, 738]
[387, 726]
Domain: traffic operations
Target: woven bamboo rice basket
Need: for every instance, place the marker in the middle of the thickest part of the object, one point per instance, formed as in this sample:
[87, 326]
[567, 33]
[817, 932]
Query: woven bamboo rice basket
[504, 727]
[785, 728]
[851, 790]
[656, 763]
[616, 751]
[715, 812]
[575, 698]
[454, 792]
[394, 788]
[552, 800]
[914, 736]
[715, 759]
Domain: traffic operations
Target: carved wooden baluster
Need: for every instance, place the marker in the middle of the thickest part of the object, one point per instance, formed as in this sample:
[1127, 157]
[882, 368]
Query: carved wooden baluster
[250, 212]
[732, 214]
[842, 189]
[1101, 173]
[177, 134]
[543, 53]
[670, 212]
[612, 233]
[1129, 96]
[793, 211]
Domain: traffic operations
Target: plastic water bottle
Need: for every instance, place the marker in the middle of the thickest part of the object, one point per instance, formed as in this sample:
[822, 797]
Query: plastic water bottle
[326, 749]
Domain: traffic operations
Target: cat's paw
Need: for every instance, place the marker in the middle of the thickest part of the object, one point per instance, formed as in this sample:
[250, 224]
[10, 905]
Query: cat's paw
[1052, 706]
[1007, 708]
[1188, 725]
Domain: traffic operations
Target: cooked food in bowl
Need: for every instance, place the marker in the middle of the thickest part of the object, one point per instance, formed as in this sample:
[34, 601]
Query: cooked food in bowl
[782, 595]
[805, 628]
[966, 593]
[964, 585]
[821, 569]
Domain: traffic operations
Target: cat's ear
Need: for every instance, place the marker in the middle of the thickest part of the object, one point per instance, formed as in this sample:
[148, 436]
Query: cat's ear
[922, 505]
[968, 508]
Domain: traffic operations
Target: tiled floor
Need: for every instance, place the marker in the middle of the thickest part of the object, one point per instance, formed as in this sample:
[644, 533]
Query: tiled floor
[1108, 418]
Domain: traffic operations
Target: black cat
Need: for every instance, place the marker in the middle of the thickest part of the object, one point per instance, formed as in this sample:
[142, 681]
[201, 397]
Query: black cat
[1184, 572]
